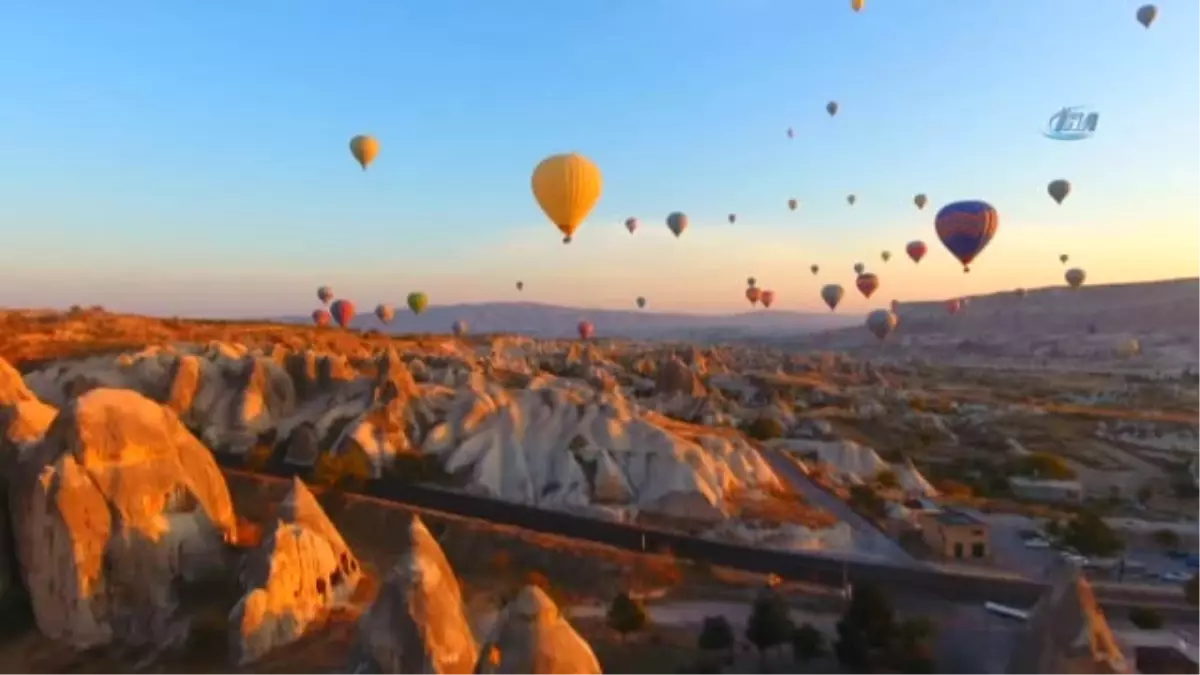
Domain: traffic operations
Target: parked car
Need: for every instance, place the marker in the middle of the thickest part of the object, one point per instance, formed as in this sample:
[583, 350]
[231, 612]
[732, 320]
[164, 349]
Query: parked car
[1036, 543]
[1174, 576]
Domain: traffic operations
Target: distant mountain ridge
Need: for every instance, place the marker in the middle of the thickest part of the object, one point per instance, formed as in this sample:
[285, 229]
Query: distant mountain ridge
[555, 321]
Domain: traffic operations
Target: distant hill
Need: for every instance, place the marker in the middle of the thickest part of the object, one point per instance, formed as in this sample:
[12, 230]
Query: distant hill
[552, 321]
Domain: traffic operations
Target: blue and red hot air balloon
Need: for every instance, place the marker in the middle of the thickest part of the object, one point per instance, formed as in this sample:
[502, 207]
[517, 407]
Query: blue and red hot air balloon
[966, 228]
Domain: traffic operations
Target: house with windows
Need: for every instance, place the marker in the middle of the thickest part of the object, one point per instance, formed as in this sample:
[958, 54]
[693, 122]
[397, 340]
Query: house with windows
[955, 534]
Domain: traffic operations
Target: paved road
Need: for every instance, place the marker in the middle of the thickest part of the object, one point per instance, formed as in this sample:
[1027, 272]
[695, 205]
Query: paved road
[868, 539]
[951, 585]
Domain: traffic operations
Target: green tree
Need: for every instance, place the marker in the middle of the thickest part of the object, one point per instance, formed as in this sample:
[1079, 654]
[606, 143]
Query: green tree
[1192, 590]
[770, 623]
[716, 634]
[1146, 618]
[626, 615]
[864, 631]
[1091, 536]
[764, 429]
[1168, 539]
[887, 479]
[807, 643]
[864, 499]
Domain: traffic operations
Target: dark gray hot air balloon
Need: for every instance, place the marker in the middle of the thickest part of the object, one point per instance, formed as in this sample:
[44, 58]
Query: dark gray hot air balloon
[677, 222]
[1146, 15]
[832, 295]
[1059, 189]
[881, 323]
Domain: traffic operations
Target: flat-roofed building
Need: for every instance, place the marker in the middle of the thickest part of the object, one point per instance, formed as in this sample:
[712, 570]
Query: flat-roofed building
[955, 534]
[1037, 490]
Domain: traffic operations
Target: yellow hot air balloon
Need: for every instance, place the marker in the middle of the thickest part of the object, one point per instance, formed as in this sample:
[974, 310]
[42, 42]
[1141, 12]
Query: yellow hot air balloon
[365, 149]
[567, 187]
[857, 5]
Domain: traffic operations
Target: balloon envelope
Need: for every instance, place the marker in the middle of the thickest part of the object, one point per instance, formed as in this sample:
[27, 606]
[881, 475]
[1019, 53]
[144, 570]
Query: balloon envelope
[859, 268]
[631, 224]
[814, 268]
[831, 108]
[732, 218]
[1059, 189]
[916, 250]
[417, 302]
[677, 222]
[832, 295]
[751, 281]
[753, 294]
[1146, 15]
[867, 284]
[384, 313]
[365, 149]
[567, 186]
[767, 298]
[459, 327]
[965, 228]
[321, 317]
[792, 204]
[920, 200]
[585, 329]
[1075, 277]
[886, 256]
[641, 302]
[342, 311]
[520, 285]
[325, 294]
[881, 322]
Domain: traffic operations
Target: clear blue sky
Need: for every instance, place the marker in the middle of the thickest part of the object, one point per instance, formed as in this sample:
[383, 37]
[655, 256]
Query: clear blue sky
[191, 157]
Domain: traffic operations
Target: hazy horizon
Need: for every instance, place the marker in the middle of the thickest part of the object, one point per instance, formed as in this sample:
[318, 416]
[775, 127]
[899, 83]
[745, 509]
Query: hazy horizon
[192, 159]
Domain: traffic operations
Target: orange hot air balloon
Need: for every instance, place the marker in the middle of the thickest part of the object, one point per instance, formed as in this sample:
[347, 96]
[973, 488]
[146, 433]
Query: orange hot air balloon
[321, 317]
[586, 330]
[753, 294]
[767, 298]
[342, 311]
[365, 149]
[867, 284]
[916, 250]
[567, 186]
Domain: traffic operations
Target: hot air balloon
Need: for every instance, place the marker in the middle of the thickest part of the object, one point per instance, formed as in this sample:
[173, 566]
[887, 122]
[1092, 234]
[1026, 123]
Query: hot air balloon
[867, 284]
[321, 317]
[342, 311]
[916, 250]
[365, 149]
[792, 204]
[767, 298]
[831, 108]
[459, 327]
[857, 5]
[965, 229]
[751, 282]
[850, 199]
[631, 224]
[641, 302]
[920, 200]
[586, 330]
[1146, 15]
[417, 302]
[732, 218]
[753, 294]
[881, 323]
[325, 294]
[953, 306]
[1059, 189]
[1075, 277]
[832, 295]
[384, 313]
[1063, 258]
[859, 268]
[520, 285]
[677, 222]
[567, 186]
[791, 134]
[886, 256]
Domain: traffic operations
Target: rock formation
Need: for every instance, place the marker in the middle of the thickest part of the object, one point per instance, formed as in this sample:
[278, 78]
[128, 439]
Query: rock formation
[532, 636]
[1067, 632]
[417, 623]
[115, 508]
[300, 572]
